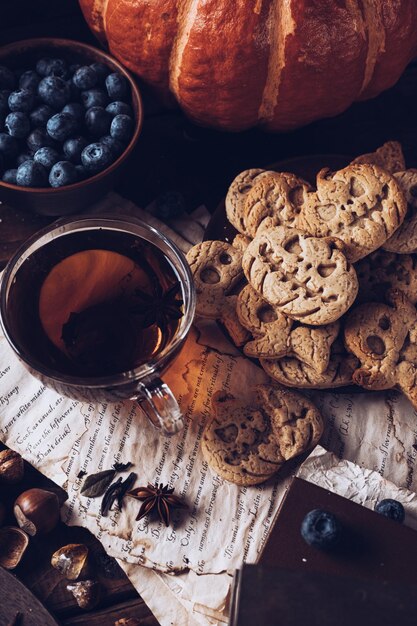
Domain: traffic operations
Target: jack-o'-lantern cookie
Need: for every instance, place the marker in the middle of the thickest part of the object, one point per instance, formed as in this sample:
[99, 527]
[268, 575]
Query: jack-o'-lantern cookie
[274, 200]
[381, 271]
[292, 372]
[404, 240]
[306, 278]
[236, 196]
[362, 205]
[246, 442]
[384, 339]
[276, 335]
[217, 268]
[389, 156]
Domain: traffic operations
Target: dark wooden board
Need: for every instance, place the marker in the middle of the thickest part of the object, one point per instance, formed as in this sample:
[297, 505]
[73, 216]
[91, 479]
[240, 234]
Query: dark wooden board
[16, 598]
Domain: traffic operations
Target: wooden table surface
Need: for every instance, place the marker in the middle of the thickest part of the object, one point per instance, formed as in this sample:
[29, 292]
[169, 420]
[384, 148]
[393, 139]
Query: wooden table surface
[174, 155]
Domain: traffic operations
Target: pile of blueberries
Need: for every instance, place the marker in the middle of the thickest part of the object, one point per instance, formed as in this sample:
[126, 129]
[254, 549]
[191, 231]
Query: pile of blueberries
[61, 123]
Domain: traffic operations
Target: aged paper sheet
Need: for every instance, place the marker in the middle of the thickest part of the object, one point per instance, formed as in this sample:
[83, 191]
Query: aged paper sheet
[184, 572]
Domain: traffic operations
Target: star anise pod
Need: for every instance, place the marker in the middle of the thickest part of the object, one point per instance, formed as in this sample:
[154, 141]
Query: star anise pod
[157, 498]
[160, 307]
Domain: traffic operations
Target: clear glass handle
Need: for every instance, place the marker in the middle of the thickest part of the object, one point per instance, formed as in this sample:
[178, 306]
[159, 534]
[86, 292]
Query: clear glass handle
[160, 407]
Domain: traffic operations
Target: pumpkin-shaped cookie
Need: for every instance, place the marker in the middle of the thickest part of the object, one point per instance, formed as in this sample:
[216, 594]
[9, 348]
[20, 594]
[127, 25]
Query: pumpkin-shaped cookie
[306, 278]
[292, 372]
[404, 240]
[246, 442]
[276, 335]
[274, 200]
[362, 205]
[384, 339]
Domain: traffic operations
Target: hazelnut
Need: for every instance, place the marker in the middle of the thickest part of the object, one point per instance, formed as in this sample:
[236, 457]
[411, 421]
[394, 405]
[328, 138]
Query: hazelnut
[70, 560]
[86, 592]
[37, 511]
[11, 467]
[13, 544]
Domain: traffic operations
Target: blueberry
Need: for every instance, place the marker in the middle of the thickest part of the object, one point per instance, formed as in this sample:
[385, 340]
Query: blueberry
[117, 86]
[94, 98]
[21, 100]
[47, 157]
[96, 157]
[1, 163]
[9, 176]
[118, 108]
[62, 173]
[17, 124]
[57, 67]
[7, 78]
[392, 509]
[82, 173]
[4, 101]
[73, 148]
[75, 109]
[85, 78]
[42, 66]
[9, 146]
[115, 145]
[121, 127]
[321, 529]
[97, 121]
[54, 91]
[39, 116]
[39, 138]
[31, 174]
[101, 70]
[61, 126]
[29, 80]
[21, 158]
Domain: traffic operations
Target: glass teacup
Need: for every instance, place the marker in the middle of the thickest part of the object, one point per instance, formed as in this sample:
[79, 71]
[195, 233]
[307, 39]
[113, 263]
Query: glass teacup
[98, 308]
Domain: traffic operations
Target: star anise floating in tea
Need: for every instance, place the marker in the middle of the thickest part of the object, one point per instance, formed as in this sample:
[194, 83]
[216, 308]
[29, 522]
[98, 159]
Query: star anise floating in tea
[161, 307]
[159, 499]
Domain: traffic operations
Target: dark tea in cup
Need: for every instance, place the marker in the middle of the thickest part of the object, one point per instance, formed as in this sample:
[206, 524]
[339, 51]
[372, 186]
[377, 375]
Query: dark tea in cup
[98, 307]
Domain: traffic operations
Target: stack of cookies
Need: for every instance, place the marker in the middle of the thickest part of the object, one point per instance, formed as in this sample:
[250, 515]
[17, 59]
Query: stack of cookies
[320, 283]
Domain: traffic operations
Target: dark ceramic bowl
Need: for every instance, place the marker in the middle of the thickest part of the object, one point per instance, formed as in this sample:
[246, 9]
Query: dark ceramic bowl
[71, 198]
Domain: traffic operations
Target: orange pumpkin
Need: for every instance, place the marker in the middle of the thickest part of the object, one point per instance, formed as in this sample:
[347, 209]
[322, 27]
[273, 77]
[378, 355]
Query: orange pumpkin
[234, 64]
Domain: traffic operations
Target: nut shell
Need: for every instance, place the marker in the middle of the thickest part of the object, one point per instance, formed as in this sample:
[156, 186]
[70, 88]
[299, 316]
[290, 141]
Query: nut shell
[13, 544]
[87, 593]
[127, 621]
[37, 511]
[11, 467]
[70, 560]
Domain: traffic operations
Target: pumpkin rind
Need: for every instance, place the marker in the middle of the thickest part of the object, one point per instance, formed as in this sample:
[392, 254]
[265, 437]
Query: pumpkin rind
[234, 64]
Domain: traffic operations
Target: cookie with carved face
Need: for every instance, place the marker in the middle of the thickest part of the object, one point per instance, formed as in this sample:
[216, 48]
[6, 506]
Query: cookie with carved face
[216, 267]
[276, 335]
[274, 200]
[236, 196]
[389, 156]
[292, 372]
[304, 277]
[384, 339]
[381, 271]
[362, 205]
[246, 442]
[404, 240]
